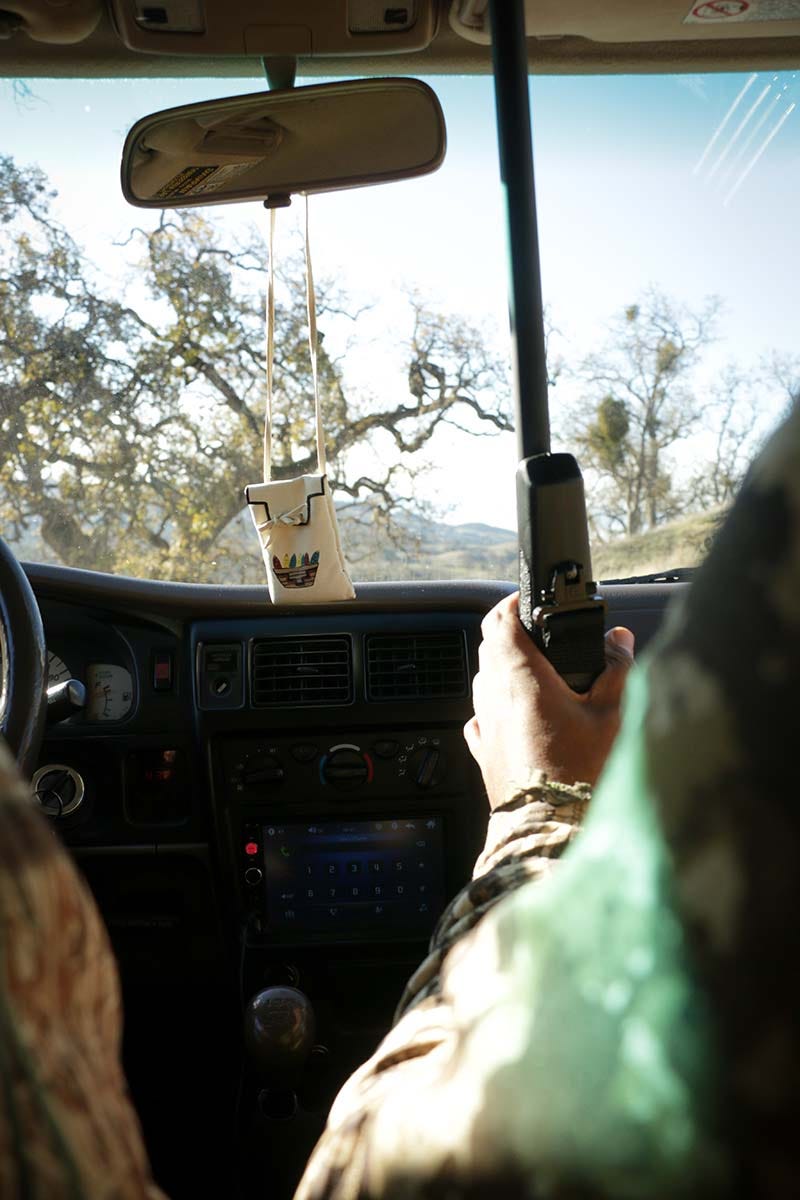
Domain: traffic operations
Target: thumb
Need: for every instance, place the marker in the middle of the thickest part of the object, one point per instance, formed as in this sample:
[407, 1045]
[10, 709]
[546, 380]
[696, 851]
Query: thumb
[619, 660]
[619, 645]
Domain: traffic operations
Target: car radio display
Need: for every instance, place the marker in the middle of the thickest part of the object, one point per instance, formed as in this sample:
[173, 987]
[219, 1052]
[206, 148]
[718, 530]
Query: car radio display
[355, 879]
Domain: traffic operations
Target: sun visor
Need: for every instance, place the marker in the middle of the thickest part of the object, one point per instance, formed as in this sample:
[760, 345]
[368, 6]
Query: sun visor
[44, 21]
[632, 21]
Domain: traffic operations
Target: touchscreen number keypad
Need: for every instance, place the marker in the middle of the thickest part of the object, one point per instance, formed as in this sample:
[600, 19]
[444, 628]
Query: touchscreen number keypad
[352, 877]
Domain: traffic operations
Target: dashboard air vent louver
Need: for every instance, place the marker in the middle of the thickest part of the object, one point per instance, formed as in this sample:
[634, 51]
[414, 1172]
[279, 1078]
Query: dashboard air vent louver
[302, 671]
[417, 666]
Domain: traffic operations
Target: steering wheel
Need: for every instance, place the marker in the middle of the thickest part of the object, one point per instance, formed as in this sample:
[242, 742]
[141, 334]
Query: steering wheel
[23, 672]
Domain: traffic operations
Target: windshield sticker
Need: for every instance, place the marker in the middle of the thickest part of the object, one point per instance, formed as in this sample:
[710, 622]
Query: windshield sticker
[718, 10]
[714, 11]
[193, 181]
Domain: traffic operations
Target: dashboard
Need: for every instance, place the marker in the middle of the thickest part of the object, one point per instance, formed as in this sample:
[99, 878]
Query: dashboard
[263, 798]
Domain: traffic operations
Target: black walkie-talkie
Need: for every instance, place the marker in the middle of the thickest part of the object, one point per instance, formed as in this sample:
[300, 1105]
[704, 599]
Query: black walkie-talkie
[559, 604]
[558, 600]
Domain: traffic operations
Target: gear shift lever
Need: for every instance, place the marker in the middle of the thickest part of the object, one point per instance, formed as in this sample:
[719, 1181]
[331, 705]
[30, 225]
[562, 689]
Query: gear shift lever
[279, 1031]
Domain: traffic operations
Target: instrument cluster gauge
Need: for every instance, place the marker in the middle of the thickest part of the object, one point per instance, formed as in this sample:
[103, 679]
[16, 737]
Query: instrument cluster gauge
[110, 691]
[57, 670]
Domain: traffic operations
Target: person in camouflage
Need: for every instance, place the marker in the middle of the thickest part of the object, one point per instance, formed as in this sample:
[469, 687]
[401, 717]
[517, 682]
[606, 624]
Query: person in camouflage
[68, 1130]
[625, 1025]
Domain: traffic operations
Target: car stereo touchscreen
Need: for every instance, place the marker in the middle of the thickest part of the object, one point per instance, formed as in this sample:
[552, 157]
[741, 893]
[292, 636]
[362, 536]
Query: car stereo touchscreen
[355, 879]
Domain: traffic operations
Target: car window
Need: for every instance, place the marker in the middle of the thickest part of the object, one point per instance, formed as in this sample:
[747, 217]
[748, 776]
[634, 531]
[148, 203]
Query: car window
[132, 353]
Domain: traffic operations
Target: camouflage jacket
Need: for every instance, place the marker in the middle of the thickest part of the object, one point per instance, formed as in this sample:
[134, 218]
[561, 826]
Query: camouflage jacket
[355, 1157]
[627, 1026]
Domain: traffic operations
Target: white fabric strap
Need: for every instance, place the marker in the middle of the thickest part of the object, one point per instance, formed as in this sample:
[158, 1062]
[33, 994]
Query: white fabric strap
[311, 308]
[311, 305]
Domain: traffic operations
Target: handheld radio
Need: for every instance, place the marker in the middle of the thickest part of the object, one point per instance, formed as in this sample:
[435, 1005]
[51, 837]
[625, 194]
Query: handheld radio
[559, 603]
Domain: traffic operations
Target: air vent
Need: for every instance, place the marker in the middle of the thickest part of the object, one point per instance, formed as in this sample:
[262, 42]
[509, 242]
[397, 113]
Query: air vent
[418, 666]
[302, 671]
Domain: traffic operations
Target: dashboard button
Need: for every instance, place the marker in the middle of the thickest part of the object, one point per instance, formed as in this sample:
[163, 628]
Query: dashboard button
[162, 671]
[304, 752]
[386, 748]
[253, 876]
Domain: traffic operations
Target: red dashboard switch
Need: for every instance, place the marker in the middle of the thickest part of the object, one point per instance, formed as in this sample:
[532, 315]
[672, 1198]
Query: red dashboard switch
[251, 849]
[162, 671]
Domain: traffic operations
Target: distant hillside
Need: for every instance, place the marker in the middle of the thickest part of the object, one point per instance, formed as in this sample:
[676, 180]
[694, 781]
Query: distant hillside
[434, 550]
[683, 543]
[417, 549]
[427, 549]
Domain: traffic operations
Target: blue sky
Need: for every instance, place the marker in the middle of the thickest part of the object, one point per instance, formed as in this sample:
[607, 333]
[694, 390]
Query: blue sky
[621, 203]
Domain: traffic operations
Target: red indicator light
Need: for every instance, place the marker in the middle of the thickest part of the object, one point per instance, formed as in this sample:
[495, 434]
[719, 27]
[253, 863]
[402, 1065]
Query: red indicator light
[251, 848]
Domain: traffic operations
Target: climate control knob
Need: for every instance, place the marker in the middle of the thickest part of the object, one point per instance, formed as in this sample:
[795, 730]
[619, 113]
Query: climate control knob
[346, 768]
[260, 772]
[427, 767]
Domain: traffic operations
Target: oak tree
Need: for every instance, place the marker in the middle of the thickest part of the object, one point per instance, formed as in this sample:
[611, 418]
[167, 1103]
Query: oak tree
[131, 406]
[640, 400]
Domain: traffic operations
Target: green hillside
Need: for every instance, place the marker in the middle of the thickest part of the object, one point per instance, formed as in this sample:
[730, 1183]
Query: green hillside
[683, 543]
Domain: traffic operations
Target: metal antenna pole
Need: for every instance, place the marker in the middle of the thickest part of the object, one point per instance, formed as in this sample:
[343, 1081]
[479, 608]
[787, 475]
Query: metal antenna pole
[510, 57]
[558, 602]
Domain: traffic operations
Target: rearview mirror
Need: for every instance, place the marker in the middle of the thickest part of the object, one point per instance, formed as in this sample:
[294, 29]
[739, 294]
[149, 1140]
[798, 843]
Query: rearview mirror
[273, 145]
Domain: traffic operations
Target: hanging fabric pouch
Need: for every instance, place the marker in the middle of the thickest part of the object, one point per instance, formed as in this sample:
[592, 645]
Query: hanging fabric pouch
[295, 518]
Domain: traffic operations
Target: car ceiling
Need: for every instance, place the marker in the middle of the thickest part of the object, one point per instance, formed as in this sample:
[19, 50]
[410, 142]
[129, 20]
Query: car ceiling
[565, 36]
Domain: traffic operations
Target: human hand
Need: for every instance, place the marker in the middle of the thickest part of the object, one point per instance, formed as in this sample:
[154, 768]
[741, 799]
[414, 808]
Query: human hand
[528, 719]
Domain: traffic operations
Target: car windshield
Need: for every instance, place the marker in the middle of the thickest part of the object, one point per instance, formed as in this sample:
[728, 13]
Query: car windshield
[132, 388]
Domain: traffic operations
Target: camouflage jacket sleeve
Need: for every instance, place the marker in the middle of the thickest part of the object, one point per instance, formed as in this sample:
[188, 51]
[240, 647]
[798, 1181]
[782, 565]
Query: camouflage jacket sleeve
[524, 839]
